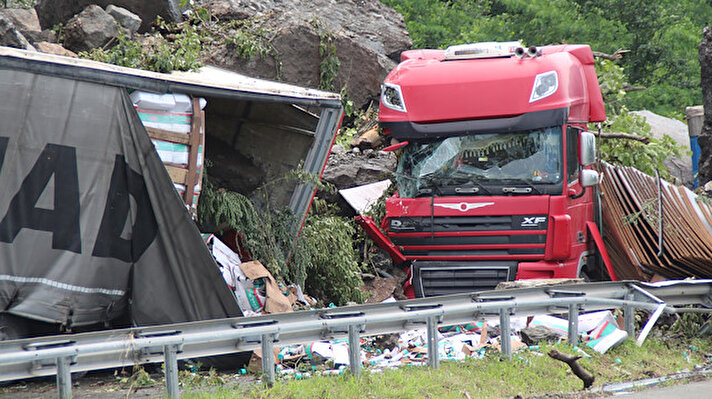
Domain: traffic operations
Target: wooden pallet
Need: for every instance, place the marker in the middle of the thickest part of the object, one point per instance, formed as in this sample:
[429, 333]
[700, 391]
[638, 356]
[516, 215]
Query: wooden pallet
[191, 176]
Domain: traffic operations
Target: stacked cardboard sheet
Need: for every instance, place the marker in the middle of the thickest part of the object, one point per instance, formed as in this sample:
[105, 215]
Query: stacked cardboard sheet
[652, 227]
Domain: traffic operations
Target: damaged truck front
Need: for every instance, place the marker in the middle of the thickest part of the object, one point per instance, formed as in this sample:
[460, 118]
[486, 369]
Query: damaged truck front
[494, 165]
[92, 232]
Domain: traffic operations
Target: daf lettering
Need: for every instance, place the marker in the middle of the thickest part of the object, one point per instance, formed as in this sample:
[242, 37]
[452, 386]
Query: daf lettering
[533, 221]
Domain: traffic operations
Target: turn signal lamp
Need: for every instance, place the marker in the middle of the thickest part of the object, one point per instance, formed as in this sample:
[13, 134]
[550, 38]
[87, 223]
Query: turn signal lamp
[545, 84]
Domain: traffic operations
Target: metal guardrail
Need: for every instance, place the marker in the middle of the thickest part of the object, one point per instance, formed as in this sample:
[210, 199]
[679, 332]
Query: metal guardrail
[62, 355]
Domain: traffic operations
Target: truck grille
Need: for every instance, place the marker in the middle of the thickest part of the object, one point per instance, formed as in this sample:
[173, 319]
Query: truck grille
[470, 236]
[442, 278]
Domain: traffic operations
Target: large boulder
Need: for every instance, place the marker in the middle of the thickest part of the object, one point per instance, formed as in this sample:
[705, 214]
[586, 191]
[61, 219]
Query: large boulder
[90, 29]
[52, 12]
[367, 39]
[346, 169]
[680, 167]
[10, 36]
[128, 20]
[705, 138]
[25, 21]
[54, 48]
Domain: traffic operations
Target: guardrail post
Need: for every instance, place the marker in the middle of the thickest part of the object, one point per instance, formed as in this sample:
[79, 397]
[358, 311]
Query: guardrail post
[171, 370]
[355, 349]
[573, 324]
[629, 317]
[268, 358]
[505, 332]
[432, 330]
[64, 378]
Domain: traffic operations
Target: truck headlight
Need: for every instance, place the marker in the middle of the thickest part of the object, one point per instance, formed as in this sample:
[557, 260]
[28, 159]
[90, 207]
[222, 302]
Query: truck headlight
[392, 97]
[545, 84]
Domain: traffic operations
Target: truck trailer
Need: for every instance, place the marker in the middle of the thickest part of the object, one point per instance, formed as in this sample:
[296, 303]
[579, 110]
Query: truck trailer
[93, 233]
[495, 180]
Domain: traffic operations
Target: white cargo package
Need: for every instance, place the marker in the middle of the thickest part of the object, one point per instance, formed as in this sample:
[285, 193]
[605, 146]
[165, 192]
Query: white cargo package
[163, 102]
[233, 275]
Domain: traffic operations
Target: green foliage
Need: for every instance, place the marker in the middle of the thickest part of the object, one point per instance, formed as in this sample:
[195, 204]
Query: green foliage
[58, 30]
[689, 324]
[435, 23]
[27, 4]
[347, 103]
[360, 122]
[330, 64]
[378, 210]
[190, 379]
[321, 259]
[326, 247]
[645, 157]
[139, 378]
[159, 54]
[247, 37]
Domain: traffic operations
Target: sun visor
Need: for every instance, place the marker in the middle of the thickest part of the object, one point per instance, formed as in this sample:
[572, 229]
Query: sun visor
[530, 120]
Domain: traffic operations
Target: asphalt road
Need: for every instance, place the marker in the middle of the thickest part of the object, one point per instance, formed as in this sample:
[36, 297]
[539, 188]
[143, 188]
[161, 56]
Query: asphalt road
[692, 390]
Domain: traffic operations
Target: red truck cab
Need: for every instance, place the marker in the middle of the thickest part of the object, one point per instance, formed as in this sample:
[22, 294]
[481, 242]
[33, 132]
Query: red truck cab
[491, 185]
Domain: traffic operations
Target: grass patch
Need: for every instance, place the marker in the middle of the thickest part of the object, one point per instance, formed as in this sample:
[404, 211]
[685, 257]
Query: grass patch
[528, 373]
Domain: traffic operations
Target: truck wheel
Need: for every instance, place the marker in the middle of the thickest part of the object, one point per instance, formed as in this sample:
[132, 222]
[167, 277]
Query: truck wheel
[594, 268]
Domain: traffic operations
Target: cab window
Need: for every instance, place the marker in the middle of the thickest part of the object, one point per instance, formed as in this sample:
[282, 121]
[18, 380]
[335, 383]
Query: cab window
[572, 156]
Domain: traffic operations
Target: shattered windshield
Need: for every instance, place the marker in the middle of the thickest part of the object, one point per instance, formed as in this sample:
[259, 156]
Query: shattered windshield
[526, 157]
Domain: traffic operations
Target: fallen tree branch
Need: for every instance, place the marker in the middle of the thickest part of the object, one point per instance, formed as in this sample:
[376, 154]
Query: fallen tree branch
[628, 88]
[611, 57]
[627, 136]
[576, 368]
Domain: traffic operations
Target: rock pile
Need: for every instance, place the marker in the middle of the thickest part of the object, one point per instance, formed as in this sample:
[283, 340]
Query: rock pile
[333, 45]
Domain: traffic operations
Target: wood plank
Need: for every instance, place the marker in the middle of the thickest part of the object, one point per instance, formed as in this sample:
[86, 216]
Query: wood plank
[166, 135]
[202, 144]
[178, 175]
[192, 178]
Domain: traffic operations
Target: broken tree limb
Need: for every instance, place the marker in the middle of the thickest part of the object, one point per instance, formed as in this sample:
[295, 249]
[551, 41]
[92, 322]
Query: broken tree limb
[627, 136]
[628, 88]
[576, 368]
[611, 57]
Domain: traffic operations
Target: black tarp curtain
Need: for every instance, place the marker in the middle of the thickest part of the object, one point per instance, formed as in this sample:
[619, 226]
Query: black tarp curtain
[90, 225]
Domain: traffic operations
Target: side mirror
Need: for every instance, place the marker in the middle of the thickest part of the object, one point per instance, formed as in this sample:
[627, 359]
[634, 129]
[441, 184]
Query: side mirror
[588, 178]
[587, 148]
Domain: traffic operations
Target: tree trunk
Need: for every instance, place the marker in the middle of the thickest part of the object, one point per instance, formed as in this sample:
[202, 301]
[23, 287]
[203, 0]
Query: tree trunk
[705, 138]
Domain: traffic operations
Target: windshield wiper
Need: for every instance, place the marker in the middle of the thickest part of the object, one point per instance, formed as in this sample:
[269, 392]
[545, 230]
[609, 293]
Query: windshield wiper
[431, 187]
[471, 187]
[520, 190]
